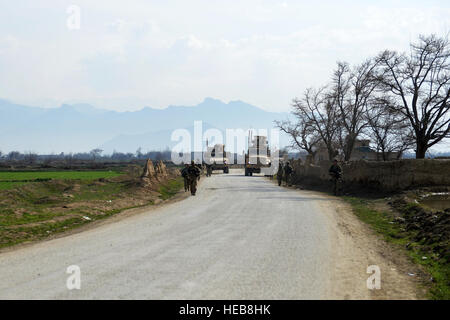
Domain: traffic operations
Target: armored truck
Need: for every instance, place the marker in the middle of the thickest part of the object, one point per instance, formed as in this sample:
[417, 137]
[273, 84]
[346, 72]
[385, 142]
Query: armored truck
[257, 156]
[217, 157]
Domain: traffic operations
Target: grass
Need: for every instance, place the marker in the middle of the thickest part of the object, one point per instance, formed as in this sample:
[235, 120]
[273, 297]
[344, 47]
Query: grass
[382, 222]
[11, 179]
[5, 185]
[169, 189]
[32, 211]
[30, 175]
[36, 210]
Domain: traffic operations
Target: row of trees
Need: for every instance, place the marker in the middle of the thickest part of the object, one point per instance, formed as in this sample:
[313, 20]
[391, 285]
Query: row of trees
[28, 157]
[93, 155]
[400, 101]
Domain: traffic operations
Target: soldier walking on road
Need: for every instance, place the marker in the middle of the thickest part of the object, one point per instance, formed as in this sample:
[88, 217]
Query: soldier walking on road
[194, 175]
[280, 173]
[184, 174]
[335, 172]
[208, 170]
[288, 172]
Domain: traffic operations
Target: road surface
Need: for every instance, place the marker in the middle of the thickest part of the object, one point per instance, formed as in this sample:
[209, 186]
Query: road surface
[239, 238]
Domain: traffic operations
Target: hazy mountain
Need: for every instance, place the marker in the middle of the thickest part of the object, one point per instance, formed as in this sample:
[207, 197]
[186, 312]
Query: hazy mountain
[155, 141]
[81, 127]
[85, 108]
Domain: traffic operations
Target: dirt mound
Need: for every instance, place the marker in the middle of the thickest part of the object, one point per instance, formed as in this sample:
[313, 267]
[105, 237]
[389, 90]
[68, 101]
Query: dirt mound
[432, 228]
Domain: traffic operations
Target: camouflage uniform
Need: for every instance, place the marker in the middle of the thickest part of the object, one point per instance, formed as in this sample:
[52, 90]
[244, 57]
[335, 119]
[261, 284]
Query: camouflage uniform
[335, 172]
[194, 175]
[287, 172]
[208, 170]
[280, 173]
[184, 174]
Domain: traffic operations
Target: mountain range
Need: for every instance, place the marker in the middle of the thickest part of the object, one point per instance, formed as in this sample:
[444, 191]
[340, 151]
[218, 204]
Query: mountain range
[82, 127]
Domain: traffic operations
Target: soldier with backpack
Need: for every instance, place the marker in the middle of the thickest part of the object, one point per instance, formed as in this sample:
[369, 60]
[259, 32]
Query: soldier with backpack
[194, 175]
[184, 174]
[335, 172]
[280, 173]
[288, 172]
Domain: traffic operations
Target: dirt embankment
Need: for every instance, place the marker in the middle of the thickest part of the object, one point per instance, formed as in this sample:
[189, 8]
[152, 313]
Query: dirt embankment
[433, 228]
[44, 209]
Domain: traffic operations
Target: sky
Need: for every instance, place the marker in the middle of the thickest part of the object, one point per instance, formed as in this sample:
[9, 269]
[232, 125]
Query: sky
[129, 54]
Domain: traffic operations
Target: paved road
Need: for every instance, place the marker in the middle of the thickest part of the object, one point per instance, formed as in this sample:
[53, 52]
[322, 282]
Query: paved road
[239, 238]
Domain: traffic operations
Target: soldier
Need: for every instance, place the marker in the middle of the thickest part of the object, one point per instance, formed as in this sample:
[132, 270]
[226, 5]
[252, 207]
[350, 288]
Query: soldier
[335, 172]
[194, 174]
[280, 173]
[208, 170]
[287, 172]
[184, 174]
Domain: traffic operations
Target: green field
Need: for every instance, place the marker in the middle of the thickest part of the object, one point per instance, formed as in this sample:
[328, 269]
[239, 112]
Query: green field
[51, 202]
[11, 179]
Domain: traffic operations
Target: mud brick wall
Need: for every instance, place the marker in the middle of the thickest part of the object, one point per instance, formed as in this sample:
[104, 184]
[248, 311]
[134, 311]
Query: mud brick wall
[385, 175]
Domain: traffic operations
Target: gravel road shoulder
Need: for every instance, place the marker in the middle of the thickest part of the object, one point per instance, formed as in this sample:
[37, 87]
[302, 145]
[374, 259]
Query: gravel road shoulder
[355, 247]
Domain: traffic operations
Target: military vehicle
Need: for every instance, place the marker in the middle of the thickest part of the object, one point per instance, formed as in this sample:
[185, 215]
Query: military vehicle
[257, 156]
[217, 157]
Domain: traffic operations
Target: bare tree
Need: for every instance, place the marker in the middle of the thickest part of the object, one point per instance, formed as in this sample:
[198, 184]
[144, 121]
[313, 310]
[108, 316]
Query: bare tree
[318, 112]
[139, 153]
[47, 162]
[95, 153]
[388, 129]
[421, 84]
[30, 157]
[14, 155]
[302, 134]
[351, 93]
[69, 159]
[158, 156]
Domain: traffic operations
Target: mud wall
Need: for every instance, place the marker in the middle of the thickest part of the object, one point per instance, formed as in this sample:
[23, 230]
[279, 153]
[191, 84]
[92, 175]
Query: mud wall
[383, 175]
